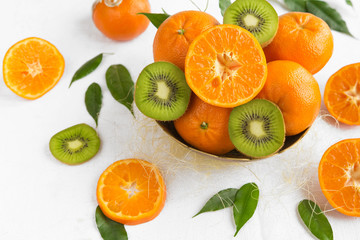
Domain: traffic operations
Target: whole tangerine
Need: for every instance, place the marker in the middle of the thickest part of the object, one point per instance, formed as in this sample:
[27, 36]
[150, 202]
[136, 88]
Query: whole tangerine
[295, 91]
[302, 38]
[205, 127]
[120, 19]
[176, 33]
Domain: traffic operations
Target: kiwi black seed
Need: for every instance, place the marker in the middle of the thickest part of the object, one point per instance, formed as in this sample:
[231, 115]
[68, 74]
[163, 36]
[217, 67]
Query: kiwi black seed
[75, 144]
[257, 128]
[161, 91]
[256, 16]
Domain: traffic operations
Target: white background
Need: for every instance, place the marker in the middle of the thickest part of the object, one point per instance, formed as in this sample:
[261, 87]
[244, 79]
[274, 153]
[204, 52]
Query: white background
[41, 198]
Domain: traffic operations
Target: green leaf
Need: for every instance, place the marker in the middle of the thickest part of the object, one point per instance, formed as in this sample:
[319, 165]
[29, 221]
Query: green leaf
[315, 220]
[93, 101]
[328, 14]
[296, 5]
[224, 4]
[156, 18]
[109, 229]
[121, 86]
[245, 204]
[87, 68]
[349, 3]
[221, 200]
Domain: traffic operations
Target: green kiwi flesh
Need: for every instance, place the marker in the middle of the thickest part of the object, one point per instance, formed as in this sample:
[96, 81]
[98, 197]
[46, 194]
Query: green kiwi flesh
[256, 16]
[75, 144]
[257, 128]
[161, 91]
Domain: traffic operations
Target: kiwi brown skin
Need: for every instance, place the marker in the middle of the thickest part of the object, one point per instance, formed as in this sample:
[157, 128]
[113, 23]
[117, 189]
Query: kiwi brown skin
[161, 91]
[90, 144]
[257, 10]
[234, 120]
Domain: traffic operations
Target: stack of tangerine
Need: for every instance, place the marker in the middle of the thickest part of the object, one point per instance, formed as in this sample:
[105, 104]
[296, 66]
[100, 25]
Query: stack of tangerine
[226, 67]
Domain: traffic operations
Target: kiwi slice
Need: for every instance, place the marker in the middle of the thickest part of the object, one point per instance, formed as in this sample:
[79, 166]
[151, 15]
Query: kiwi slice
[257, 128]
[256, 16]
[161, 91]
[75, 144]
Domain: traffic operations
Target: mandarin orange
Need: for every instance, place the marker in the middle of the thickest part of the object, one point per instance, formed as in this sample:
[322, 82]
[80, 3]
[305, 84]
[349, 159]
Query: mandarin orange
[119, 19]
[339, 176]
[225, 66]
[176, 33]
[32, 67]
[302, 38]
[295, 91]
[131, 191]
[342, 94]
[205, 127]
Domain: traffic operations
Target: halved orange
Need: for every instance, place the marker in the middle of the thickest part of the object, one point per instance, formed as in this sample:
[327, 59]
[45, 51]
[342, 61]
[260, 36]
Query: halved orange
[131, 191]
[32, 67]
[225, 66]
[339, 176]
[342, 94]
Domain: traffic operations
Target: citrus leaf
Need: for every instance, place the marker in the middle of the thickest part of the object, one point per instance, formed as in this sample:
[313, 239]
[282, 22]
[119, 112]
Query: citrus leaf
[87, 68]
[109, 229]
[328, 14]
[245, 204]
[315, 220]
[156, 18]
[224, 4]
[296, 5]
[221, 200]
[93, 101]
[349, 3]
[120, 85]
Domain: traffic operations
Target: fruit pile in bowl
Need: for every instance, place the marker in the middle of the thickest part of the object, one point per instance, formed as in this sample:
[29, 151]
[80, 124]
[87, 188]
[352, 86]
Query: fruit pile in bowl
[240, 90]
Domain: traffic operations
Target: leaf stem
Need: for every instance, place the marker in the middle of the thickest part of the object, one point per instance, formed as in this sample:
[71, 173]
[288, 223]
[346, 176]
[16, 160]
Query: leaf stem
[207, 5]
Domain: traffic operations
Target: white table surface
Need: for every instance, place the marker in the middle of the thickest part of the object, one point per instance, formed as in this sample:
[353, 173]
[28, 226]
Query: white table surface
[41, 198]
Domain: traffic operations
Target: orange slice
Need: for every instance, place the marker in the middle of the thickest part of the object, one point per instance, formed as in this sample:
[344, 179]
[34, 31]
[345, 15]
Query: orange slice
[342, 94]
[131, 191]
[225, 66]
[32, 67]
[339, 176]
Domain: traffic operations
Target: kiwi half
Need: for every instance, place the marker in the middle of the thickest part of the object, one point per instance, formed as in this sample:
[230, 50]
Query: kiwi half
[161, 91]
[257, 128]
[256, 16]
[75, 144]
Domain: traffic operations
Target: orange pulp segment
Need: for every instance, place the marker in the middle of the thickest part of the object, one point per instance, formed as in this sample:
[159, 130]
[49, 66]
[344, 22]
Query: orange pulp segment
[342, 94]
[131, 191]
[339, 176]
[32, 67]
[225, 66]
